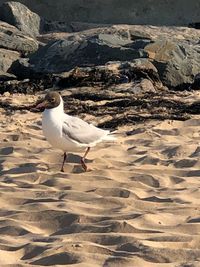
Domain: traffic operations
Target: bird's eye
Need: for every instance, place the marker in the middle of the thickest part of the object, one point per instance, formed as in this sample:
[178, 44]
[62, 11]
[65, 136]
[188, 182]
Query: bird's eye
[52, 100]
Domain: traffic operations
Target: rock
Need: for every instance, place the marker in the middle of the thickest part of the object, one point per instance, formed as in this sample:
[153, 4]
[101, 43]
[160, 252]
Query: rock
[29, 22]
[177, 62]
[173, 50]
[63, 55]
[7, 57]
[11, 38]
[46, 38]
[22, 69]
[144, 86]
[196, 83]
[87, 32]
[155, 33]
[5, 76]
[139, 35]
[21, 17]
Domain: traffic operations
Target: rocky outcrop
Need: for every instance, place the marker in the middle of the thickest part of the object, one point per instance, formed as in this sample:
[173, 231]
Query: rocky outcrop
[64, 55]
[13, 45]
[177, 62]
[30, 23]
[21, 17]
[7, 57]
[13, 39]
[175, 57]
[53, 49]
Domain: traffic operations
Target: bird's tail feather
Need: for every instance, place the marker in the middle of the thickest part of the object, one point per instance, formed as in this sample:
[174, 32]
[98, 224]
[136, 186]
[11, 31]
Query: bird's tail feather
[110, 137]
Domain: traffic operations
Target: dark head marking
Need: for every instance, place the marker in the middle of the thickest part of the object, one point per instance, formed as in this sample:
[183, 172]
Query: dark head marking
[51, 100]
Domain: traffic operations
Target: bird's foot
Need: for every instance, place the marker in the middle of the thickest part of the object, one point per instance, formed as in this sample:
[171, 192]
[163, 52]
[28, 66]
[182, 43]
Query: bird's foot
[62, 170]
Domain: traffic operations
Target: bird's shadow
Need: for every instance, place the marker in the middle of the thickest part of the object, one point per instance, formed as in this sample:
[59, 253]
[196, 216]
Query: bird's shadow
[74, 158]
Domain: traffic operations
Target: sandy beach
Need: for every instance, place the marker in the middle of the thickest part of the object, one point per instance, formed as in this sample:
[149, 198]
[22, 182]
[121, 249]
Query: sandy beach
[138, 205]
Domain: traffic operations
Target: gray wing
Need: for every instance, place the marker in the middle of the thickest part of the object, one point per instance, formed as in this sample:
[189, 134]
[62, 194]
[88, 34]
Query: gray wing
[81, 131]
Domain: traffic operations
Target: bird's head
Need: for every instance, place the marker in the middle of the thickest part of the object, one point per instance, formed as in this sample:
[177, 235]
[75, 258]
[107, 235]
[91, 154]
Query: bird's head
[51, 100]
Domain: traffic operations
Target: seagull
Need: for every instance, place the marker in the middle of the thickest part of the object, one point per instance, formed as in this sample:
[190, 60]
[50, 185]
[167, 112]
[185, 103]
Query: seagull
[68, 133]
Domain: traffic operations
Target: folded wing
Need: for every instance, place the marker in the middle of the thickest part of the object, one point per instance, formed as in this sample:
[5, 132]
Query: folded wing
[82, 132]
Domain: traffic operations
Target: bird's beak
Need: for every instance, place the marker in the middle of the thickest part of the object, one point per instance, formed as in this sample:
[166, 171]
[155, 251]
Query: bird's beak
[41, 104]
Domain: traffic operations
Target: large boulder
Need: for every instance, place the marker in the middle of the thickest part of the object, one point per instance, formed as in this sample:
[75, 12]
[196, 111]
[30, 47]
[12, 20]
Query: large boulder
[21, 17]
[29, 22]
[13, 39]
[177, 61]
[173, 50]
[63, 55]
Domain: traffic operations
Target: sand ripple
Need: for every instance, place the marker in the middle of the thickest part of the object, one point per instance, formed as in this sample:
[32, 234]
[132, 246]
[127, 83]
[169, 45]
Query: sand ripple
[138, 205]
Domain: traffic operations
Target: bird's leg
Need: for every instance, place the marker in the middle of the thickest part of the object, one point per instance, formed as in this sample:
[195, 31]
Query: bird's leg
[64, 158]
[83, 159]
